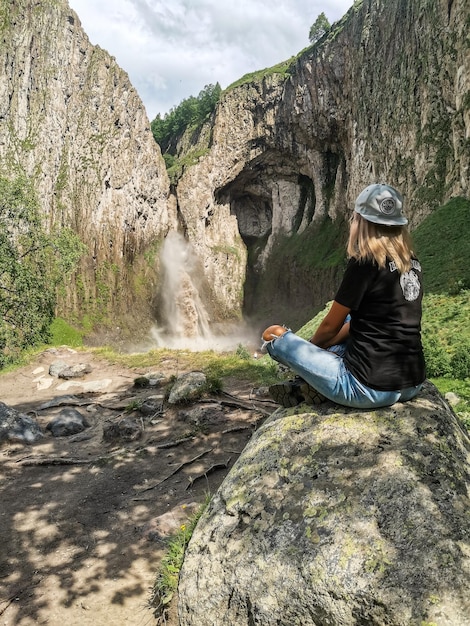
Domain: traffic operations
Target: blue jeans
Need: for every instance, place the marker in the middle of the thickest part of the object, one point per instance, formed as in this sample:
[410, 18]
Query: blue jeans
[326, 372]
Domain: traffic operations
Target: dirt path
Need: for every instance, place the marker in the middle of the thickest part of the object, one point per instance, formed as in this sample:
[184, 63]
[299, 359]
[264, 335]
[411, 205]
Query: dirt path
[84, 518]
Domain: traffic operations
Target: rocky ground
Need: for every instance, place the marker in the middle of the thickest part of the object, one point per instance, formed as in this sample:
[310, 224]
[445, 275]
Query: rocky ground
[84, 519]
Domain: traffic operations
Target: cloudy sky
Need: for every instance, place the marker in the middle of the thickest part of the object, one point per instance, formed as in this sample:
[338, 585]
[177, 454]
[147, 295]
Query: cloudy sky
[172, 49]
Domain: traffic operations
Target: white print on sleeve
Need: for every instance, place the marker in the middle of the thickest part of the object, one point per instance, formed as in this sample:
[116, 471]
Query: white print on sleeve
[416, 265]
[409, 283]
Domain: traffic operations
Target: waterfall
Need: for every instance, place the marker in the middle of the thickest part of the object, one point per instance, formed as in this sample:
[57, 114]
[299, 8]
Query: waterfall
[185, 322]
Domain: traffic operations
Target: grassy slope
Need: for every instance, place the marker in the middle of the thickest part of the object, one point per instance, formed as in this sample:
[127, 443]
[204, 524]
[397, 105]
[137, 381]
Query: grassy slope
[443, 245]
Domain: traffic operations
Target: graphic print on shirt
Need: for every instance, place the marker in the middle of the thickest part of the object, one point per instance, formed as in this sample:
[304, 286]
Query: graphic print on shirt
[409, 283]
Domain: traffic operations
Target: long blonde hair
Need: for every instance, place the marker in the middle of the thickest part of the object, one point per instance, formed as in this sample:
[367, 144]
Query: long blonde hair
[375, 242]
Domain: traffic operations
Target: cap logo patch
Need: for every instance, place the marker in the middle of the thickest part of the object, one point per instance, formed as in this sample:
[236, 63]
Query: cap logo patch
[387, 206]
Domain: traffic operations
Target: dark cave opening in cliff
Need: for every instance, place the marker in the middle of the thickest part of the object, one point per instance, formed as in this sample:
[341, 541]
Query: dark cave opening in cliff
[254, 216]
[252, 204]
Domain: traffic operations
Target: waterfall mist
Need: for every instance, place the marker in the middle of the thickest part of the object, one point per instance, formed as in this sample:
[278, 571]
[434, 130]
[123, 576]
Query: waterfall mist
[184, 322]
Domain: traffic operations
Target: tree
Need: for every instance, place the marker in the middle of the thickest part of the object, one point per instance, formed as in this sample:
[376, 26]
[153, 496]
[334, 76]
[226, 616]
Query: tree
[32, 264]
[319, 28]
[190, 112]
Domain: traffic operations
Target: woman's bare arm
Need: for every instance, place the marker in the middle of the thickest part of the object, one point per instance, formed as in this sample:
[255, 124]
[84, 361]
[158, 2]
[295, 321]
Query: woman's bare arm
[332, 329]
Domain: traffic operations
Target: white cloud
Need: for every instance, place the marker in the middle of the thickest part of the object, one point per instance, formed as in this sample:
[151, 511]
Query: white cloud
[172, 50]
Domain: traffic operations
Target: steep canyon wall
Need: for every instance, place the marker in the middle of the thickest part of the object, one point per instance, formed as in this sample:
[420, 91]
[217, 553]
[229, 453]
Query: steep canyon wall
[71, 121]
[384, 96]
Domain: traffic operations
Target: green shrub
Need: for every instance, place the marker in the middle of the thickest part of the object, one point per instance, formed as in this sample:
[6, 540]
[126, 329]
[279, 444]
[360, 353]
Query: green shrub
[460, 361]
[243, 353]
[32, 264]
[192, 111]
[436, 357]
[27, 295]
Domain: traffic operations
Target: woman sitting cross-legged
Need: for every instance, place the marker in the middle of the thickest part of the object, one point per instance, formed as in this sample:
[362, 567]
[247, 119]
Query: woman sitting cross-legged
[367, 351]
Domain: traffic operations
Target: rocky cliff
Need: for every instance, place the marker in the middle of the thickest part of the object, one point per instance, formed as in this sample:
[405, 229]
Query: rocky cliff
[71, 120]
[384, 96]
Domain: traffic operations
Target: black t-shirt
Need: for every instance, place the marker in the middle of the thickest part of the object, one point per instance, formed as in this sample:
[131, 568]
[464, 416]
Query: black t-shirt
[384, 348]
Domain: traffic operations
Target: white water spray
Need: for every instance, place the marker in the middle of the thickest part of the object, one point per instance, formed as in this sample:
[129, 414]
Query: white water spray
[185, 322]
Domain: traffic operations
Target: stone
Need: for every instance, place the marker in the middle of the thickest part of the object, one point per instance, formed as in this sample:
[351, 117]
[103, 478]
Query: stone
[59, 401]
[127, 429]
[452, 398]
[61, 369]
[203, 416]
[152, 405]
[68, 422]
[43, 382]
[187, 387]
[16, 426]
[75, 371]
[86, 386]
[338, 517]
[57, 367]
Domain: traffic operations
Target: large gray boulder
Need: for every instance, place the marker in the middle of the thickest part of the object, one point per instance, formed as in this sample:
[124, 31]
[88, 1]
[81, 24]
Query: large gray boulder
[334, 516]
[18, 427]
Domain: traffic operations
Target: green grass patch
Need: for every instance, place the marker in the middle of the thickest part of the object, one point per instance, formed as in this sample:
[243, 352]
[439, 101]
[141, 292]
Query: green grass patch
[442, 244]
[166, 582]
[254, 77]
[176, 166]
[320, 246]
[446, 334]
[216, 365]
[64, 334]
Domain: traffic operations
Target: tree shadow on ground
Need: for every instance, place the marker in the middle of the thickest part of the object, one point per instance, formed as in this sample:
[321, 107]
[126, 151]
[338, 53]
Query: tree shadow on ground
[84, 522]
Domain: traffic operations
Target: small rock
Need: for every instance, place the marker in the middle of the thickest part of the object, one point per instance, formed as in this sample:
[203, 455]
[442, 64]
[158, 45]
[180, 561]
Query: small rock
[75, 371]
[452, 398]
[203, 416]
[89, 385]
[127, 429]
[261, 392]
[60, 369]
[152, 379]
[152, 405]
[141, 381]
[43, 383]
[187, 387]
[56, 367]
[68, 422]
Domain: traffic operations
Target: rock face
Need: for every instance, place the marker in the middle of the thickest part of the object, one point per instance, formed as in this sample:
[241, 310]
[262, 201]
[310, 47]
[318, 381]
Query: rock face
[383, 97]
[72, 122]
[338, 517]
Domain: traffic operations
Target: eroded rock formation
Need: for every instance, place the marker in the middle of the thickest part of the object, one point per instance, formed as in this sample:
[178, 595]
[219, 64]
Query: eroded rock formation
[383, 97]
[71, 120]
[334, 516]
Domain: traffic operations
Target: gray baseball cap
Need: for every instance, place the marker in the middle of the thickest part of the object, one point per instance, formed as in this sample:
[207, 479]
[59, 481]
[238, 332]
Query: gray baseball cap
[381, 204]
